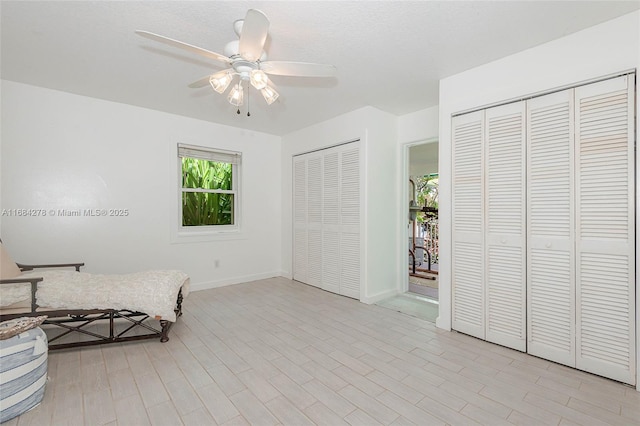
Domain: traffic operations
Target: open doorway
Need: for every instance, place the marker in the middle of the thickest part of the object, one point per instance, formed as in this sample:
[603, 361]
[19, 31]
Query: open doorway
[418, 291]
[423, 220]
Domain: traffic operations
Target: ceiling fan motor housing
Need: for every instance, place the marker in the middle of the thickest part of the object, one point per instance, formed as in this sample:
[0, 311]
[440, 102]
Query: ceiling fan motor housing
[244, 67]
[232, 50]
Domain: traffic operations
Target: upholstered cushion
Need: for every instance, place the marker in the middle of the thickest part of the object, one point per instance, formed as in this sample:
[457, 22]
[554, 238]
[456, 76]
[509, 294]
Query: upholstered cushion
[8, 268]
[21, 306]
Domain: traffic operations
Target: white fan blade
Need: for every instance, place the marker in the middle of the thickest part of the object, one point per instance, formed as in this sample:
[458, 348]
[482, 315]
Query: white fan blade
[297, 69]
[185, 46]
[200, 83]
[253, 36]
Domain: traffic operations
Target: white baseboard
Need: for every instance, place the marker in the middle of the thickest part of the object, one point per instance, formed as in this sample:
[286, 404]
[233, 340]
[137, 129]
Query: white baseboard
[378, 297]
[286, 274]
[445, 325]
[231, 281]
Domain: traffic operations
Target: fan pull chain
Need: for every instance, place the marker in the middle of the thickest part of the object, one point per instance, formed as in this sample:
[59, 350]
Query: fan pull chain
[248, 91]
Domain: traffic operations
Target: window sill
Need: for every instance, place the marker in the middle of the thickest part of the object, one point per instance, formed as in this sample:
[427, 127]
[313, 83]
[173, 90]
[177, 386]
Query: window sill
[182, 237]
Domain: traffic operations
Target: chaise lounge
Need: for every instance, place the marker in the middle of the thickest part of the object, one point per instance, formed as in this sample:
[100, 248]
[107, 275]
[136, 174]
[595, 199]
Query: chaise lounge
[79, 306]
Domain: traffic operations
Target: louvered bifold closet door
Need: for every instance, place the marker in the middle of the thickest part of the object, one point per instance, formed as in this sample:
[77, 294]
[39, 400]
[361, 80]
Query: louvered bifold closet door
[550, 239]
[326, 217]
[350, 220]
[505, 251]
[331, 223]
[300, 256]
[605, 281]
[314, 220]
[468, 255]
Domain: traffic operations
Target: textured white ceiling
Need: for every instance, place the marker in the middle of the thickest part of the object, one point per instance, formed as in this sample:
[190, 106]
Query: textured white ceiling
[389, 54]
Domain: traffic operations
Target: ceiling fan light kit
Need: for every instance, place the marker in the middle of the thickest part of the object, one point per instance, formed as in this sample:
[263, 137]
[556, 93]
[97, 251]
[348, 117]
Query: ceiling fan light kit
[247, 60]
[269, 95]
[236, 95]
[259, 79]
[220, 81]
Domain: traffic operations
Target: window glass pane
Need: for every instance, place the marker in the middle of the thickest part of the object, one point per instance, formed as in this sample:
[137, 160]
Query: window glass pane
[205, 208]
[205, 174]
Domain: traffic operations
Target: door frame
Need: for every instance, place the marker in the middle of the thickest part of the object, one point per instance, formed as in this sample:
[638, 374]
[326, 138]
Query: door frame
[403, 281]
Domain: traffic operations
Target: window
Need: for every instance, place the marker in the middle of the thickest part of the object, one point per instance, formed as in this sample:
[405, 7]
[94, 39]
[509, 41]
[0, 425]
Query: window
[209, 188]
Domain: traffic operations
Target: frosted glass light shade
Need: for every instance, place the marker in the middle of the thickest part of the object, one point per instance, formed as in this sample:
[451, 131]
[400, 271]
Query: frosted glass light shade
[236, 95]
[270, 95]
[259, 79]
[220, 81]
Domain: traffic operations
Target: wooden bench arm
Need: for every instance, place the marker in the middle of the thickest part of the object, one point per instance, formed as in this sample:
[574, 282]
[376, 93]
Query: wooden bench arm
[24, 267]
[34, 287]
[21, 280]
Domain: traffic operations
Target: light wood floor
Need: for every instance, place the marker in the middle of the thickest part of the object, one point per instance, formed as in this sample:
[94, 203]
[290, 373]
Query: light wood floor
[279, 352]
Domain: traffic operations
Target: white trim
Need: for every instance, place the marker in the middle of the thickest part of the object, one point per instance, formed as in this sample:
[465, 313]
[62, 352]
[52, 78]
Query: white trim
[196, 236]
[209, 191]
[363, 145]
[186, 234]
[232, 281]
[286, 274]
[210, 154]
[637, 209]
[370, 300]
[327, 147]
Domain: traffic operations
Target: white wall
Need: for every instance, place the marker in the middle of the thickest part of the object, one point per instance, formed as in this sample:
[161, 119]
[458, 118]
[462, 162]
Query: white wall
[376, 131]
[598, 51]
[63, 151]
[418, 126]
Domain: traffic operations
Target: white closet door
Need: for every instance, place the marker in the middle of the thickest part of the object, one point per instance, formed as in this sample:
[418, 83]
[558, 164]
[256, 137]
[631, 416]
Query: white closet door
[350, 221]
[505, 203]
[326, 216]
[300, 257]
[551, 261]
[331, 223]
[605, 290]
[314, 220]
[468, 299]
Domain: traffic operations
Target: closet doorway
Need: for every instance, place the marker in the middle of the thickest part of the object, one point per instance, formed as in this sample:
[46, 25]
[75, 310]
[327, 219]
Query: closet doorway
[326, 213]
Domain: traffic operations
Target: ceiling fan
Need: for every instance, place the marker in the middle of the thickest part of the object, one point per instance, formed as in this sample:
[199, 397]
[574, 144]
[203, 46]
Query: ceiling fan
[247, 60]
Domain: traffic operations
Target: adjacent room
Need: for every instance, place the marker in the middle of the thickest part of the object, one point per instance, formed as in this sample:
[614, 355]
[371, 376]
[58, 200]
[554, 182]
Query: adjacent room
[309, 212]
[419, 294]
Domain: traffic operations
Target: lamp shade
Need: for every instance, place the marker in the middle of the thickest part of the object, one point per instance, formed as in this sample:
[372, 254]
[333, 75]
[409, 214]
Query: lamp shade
[220, 81]
[259, 79]
[270, 95]
[236, 95]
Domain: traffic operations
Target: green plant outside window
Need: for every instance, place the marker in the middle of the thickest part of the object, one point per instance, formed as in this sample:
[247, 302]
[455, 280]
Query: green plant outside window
[207, 193]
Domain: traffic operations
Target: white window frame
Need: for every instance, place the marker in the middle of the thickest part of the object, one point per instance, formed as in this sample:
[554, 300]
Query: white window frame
[207, 232]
